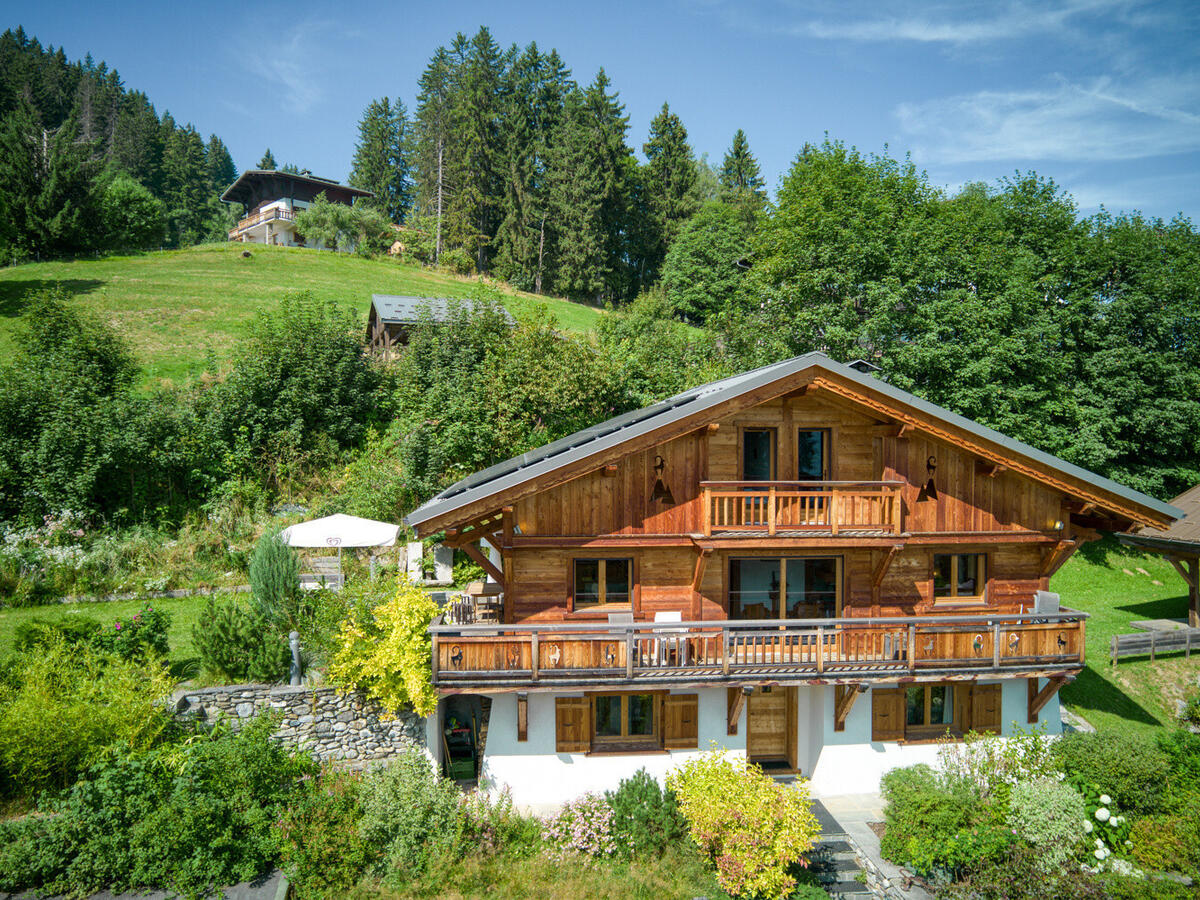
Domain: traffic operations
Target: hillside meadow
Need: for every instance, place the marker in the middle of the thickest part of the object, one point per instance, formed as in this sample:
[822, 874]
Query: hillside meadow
[179, 308]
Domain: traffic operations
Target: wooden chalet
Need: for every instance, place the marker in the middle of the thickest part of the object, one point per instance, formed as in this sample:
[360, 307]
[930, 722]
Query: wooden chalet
[271, 199]
[392, 318]
[802, 562]
[1180, 544]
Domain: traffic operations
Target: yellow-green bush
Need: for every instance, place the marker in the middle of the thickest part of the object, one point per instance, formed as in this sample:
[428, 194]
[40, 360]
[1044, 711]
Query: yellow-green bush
[751, 827]
[384, 652]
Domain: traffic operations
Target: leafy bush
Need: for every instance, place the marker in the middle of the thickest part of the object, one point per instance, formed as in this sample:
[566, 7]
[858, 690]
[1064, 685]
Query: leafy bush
[645, 818]
[494, 826]
[274, 574]
[409, 814]
[1106, 831]
[192, 817]
[458, 261]
[39, 632]
[236, 645]
[1130, 768]
[385, 652]
[993, 765]
[321, 848]
[1167, 843]
[751, 827]
[583, 826]
[1049, 815]
[62, 708]
[1182, 749]
[1019, 875]
[143, 632]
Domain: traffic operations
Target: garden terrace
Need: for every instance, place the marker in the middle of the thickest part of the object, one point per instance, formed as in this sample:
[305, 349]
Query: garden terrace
[845, 650]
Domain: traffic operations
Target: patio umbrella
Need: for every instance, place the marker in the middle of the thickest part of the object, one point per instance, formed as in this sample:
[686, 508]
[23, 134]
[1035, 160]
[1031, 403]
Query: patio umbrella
[341, 530]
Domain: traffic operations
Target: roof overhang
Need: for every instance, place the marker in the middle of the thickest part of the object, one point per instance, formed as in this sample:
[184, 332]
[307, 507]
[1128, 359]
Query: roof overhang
[237, 191]
[585, 450]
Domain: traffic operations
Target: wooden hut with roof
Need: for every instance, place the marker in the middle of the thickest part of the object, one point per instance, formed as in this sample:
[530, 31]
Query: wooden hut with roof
[1180, 544]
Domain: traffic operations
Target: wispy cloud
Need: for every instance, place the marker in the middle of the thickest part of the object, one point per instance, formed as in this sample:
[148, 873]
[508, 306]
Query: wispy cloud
[292, 64]
[1069, 120]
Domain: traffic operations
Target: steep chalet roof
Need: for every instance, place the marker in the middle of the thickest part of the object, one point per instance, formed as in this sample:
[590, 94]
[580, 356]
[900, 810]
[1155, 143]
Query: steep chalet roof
[1182, 536]
[240, 191]
[393, 309]
[509, 477]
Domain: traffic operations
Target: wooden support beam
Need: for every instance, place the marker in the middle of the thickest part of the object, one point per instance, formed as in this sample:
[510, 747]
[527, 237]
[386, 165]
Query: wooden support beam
[881, 570]
[1054, 557]
[508, 524]
[844, 696]
[736, 698]
[1038, 699]
[1188, 577]
[488, 566]
[609, 471]
[522, 716]
[697, 577]
[989, 469]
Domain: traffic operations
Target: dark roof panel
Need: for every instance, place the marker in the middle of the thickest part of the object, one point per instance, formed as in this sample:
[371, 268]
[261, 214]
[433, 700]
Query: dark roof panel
[400, 310]
[233, 193]
[1184, 534]
[609, 434]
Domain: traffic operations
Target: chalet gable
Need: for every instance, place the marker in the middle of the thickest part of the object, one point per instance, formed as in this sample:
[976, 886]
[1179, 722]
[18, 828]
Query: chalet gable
[483, 493]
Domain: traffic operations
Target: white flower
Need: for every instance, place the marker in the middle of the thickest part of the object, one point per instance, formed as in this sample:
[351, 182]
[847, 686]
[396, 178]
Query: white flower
[1102, 814]
[1100, 843]
[1128, 843]
[1088, 826]
[1099, 854]
[1105, 799]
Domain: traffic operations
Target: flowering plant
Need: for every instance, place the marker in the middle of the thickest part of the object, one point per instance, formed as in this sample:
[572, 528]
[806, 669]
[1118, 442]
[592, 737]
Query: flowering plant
[993, 765]
[133, 637]
[1106, 830]
[584, 826]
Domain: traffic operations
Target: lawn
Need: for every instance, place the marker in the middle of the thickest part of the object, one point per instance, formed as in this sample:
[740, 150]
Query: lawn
[179, 307]
[184, 612]
[1118, 586]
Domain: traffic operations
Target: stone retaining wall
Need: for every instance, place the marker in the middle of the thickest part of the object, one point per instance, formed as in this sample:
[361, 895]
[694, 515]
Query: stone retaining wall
[330, 725]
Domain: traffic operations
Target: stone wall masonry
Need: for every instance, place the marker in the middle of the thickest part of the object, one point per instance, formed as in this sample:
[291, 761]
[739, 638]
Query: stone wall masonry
[330, 725]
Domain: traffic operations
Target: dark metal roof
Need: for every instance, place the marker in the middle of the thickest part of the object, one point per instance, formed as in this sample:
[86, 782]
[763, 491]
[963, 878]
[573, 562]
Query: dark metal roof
[231, 192]
[1184, 534]
[609, 434]
[396, 310]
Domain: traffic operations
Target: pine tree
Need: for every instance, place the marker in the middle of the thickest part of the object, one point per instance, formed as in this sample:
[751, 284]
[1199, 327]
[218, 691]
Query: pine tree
[741, 180]
[137, 142]
[267, 161]
[219, 165]
[274, 574]
[670, 178]
[381, 158]
[434, 126]
[186, 191]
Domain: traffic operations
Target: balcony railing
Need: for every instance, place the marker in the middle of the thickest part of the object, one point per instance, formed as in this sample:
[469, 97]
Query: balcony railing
[847, 649]
[266, 215]
[759, 507]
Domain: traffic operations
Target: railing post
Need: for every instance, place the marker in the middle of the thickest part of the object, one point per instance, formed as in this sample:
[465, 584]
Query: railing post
[912, 646]
[707, 513]
[771, 510]
[629, 645]
[725, 651]
[996, 645]
[534, 653]
[834, 512]
[820, 649]
[433, 664]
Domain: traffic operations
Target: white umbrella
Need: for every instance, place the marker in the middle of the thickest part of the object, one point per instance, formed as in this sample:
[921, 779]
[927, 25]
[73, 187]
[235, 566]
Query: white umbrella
[341, 530]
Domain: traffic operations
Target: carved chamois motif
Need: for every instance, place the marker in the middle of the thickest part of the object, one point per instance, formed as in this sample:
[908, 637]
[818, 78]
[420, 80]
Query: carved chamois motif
[554, 654]
[456, 656]
[977, 644]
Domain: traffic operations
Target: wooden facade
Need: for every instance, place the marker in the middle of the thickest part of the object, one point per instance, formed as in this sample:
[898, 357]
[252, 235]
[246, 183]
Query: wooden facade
[687, 514]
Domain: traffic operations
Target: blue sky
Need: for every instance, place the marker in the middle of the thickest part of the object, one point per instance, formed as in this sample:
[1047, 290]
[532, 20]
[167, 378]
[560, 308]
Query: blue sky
[1101, 95]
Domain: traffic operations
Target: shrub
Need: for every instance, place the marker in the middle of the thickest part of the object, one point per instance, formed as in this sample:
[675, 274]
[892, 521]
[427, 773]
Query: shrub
[274, 575]
[583, 826]
[385, 652]
[192, 818]
[40, 632]
[1019, 876]
[1167, 844]
[320, 846]
[992, 765]
[492, 826]
[1182, 749]
[753, 828]
[145, 631]
[1130, 768]
[409, 814]
[1049, 815]
[1190, 715]
[646, 819]
[237, 645]
[929, 820]
[1106, 831]
[63, 707]
[458, 261]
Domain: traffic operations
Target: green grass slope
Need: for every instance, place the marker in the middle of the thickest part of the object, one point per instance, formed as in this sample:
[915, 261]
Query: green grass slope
[1117, 587]
[178, 306]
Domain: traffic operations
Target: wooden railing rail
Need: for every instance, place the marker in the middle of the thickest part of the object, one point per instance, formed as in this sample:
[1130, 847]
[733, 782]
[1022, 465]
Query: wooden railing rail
[266, 215]
[772, 506]
[886, 647]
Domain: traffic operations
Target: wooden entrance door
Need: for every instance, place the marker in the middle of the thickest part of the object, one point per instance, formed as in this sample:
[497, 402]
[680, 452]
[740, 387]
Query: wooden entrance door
[771, 726]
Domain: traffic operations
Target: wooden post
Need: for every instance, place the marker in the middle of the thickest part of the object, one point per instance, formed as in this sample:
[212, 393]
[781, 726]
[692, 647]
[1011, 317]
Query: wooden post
[434, 662]
[707, 512]
[534, 654]
[820, 649]
[771, 510]
[629, 653]
[996, 645]
[1112, 649]
[522, 716]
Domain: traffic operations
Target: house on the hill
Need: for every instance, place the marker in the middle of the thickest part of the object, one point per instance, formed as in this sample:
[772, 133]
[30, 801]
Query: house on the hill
[270, 200]
[802, 563]
[1180, 544]
[393, 317]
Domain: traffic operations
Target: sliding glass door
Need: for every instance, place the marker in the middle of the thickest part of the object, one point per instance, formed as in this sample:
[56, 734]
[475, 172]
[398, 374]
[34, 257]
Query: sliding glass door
[783, 588]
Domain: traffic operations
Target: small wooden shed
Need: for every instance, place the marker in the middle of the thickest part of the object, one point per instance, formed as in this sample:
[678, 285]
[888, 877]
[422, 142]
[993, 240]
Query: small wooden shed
[1180, 544]
[393, 317]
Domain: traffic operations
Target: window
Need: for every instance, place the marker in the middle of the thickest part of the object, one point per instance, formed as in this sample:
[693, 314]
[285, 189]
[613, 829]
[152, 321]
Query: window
[808, 588]
[624, 720]
[929, 706]
[959, 575]
[812, 454]
[601, 582]
[758, 454]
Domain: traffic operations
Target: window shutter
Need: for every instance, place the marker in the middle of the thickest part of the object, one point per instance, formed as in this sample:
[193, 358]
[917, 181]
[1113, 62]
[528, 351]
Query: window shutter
[572, 724]
[985, 708]
[887, 714]
[962, 707]
[680, 718]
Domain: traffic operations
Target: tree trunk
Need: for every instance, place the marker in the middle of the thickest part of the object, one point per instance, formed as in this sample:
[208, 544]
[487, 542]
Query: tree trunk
[437, 249]
[537, 281]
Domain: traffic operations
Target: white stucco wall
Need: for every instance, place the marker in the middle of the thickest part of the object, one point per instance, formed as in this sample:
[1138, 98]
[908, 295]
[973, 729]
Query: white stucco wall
[846, 762]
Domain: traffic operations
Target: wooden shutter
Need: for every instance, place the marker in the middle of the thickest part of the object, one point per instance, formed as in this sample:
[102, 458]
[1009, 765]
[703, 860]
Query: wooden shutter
[887, 714]
[680, 721]
[962, 707]
[572, 724]
[985, 708]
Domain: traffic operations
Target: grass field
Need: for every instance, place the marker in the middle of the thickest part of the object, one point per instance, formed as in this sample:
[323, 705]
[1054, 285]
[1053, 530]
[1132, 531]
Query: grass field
[177, 307]
[1117, 587]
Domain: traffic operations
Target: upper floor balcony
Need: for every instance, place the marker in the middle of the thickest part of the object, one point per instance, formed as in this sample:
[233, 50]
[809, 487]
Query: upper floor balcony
[802, 508]
[845, 650]
[270, 214]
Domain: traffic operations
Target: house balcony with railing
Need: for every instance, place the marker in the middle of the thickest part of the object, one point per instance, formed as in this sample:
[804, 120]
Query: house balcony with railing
[262, 217]
[834, 650]
[801, 509]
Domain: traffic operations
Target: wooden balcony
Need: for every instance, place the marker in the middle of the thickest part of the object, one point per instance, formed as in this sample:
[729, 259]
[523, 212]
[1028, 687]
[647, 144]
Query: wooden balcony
[816, 651]
[754, 508]
[258, 218]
